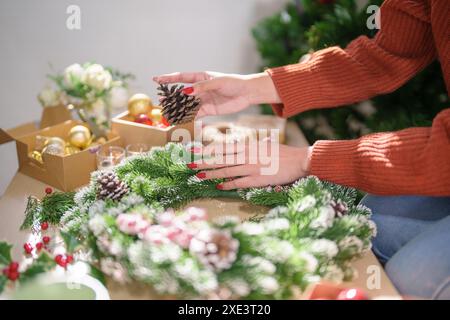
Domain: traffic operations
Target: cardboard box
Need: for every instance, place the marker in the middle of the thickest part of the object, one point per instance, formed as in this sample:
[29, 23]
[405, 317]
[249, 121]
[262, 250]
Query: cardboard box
[65, 173]
[132, 132]
[54, 115]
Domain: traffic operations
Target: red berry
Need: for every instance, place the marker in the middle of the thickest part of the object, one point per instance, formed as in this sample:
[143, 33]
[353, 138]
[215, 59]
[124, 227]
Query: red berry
[352, 294]
[28, 248]
[48, 190]
[46, 239]
[13, 266]
[39, 246]
[61, 260]
[165, 122]
[44, 225]
[13, 275]
[5, 271]
[69, 258]
[144, 119]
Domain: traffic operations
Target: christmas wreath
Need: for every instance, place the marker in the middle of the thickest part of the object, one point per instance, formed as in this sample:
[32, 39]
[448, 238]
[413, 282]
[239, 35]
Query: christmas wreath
[125, 224]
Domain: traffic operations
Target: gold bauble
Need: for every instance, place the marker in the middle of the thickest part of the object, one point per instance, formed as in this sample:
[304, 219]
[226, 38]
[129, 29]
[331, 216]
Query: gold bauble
[36, 155]
[54, 149]
[139, 103]
[156, 115]
[69, 150]
[80, 137]
[55, 142]
[100, 140]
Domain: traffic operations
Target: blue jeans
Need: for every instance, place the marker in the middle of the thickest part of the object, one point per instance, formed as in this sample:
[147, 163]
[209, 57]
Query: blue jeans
[413, 242]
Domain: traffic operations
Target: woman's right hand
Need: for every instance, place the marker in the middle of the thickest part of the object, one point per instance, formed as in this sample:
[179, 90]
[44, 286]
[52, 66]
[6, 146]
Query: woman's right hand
[225, 93]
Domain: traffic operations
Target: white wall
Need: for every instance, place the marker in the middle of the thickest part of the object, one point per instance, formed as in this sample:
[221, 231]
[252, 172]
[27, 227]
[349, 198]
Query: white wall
[145, 37]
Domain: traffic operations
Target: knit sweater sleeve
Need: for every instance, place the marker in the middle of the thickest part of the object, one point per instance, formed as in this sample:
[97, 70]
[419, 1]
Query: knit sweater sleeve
[367, 67]
[410, 161]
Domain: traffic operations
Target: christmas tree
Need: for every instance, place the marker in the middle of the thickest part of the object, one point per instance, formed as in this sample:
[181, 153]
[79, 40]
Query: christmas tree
[310, 25]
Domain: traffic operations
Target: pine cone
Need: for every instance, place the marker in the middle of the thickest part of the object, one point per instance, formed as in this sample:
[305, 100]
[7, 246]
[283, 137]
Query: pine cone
[215, 249]
[340, 207]
[110, 187]
[178, 108]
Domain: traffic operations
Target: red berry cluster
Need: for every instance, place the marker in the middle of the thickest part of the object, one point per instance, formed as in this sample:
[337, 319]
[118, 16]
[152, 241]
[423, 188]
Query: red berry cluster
[12, 271]
[28, 248]
[63, 259]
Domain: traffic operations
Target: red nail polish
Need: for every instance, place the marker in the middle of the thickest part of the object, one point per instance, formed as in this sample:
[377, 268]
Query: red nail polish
[201, 175]
[219, 187]
[188, 90]
[191, 165]
[196, 150]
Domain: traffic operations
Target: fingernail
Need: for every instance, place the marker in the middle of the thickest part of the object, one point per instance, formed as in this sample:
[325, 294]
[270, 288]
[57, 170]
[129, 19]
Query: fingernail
[201, 175]
[196, 150]
[188, 90]
[192, 165]
[219, 186]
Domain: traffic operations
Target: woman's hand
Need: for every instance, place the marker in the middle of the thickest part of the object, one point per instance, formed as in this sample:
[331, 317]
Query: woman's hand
[225, 93]
[244, 167]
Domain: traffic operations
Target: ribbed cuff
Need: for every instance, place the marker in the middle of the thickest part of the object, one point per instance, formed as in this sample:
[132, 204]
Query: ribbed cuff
[297, 86]
[334, 160]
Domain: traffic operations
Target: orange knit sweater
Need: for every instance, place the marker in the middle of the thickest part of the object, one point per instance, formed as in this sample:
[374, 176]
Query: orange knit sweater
[412, 161]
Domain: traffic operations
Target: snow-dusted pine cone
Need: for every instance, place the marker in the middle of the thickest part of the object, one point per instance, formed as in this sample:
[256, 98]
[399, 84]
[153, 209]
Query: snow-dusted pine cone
[110, 186]
[178, 108]
[340, 207]
[216, 249]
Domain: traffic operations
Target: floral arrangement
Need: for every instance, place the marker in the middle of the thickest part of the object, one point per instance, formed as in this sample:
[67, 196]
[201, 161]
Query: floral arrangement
[126, 225]
[90, 87]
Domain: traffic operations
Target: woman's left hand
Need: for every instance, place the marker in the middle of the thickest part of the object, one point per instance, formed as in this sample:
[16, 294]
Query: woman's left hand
[252, 165]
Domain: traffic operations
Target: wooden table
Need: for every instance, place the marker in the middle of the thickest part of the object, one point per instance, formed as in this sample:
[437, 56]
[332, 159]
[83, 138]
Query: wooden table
[371, 275]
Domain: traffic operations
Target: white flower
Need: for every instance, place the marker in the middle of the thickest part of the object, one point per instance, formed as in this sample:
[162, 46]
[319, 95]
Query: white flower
[97, 208]
[132, 224]
[114, 269]
[324, 247]
[49, 97]
[250, 228]
[268, 285]
[72, 74]
[118, 97]
[194, 214]
[352, 242]
[334, 274]
[324, 219]
[277, 224]
[156, 234]
[306, 203]
[261, 264]
[372, 227]
[239, 287]
[116, 248]
[97, 225]
[311, 262]
[97, 77]
[276, 212]
[185, 269]
[165, 253]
